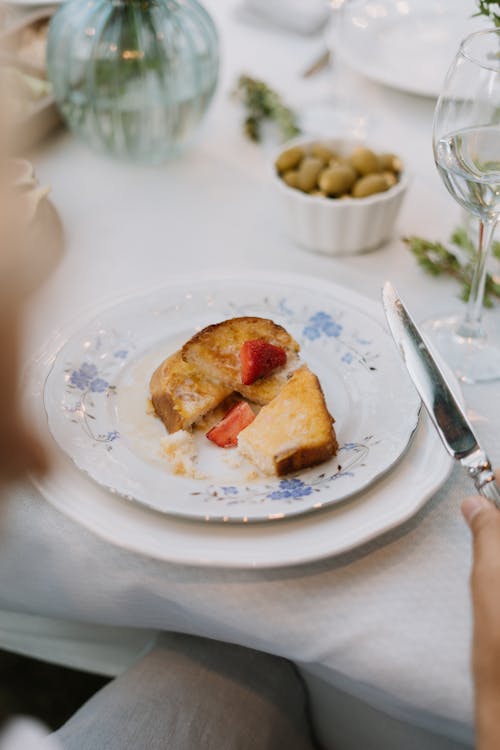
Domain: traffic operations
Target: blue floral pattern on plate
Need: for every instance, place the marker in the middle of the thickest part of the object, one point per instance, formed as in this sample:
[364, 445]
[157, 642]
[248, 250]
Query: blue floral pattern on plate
[321, 324]
[88, 386]
[292, 488]
[90, 381]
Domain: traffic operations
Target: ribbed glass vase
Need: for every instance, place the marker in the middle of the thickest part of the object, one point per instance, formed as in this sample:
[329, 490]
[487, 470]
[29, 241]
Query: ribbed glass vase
[133, 78]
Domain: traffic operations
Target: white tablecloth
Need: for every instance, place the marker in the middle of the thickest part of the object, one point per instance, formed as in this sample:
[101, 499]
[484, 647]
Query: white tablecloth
[390, 621]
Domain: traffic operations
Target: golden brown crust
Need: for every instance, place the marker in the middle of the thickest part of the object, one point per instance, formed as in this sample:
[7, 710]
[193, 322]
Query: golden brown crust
[162, 400]
[215, 351]
[294, 431]
[242, 327]
[181, 395]
[304, 458]
[165, 410]
[309, 456]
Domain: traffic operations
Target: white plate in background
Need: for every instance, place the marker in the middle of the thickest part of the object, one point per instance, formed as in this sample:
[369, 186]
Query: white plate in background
[405, 44]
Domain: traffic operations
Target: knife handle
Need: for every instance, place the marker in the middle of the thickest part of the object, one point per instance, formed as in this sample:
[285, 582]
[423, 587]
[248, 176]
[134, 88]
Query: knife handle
[490, 490]
[484, 481]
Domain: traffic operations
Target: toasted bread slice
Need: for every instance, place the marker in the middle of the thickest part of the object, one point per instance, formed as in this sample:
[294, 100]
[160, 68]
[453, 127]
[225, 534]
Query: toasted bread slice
[181, 395]
[293, 431]
[215, 352]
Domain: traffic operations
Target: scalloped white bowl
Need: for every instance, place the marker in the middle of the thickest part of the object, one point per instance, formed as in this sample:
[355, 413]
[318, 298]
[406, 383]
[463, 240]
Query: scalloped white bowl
[338, 227]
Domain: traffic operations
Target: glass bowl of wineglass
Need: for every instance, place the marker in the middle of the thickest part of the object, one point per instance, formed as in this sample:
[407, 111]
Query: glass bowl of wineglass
[466, 141]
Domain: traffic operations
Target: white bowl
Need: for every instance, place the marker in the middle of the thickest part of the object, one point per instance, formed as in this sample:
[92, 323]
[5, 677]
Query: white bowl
[343, 226]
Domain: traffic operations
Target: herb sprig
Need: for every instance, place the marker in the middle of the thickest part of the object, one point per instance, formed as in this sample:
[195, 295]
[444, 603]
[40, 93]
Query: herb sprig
[490, 9]
[459, 263]
[263, 103]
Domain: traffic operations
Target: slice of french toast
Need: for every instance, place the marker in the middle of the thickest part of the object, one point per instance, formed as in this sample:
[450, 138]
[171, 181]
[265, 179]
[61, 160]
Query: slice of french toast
[215, 352]
[182, 395]
[293, 431]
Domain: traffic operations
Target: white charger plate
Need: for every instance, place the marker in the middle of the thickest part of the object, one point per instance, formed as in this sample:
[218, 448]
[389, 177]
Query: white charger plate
[388, 503]
[391, 501]
[97, 391]
[405, 44]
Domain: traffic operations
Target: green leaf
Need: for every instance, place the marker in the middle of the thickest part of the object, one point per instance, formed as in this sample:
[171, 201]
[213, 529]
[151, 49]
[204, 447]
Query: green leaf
[437, 260]
[460, 238]
[263, 103]
[490, 9]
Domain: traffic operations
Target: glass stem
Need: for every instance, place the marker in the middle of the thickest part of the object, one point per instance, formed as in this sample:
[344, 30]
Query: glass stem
[471, 326]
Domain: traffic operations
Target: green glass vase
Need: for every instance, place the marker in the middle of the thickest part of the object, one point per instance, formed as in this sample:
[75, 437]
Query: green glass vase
[133, 79]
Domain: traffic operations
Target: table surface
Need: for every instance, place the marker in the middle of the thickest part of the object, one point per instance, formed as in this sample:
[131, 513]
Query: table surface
[393, 615]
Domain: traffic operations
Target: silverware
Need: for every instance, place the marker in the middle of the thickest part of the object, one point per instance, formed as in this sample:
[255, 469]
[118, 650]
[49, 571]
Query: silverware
[444, 410]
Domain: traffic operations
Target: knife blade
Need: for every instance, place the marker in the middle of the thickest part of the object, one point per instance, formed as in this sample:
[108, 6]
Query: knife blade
[445, 412]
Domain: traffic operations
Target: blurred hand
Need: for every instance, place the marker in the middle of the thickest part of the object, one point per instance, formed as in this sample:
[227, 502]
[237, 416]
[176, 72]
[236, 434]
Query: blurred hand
[30, 244]
[19, 449]
[484, 521]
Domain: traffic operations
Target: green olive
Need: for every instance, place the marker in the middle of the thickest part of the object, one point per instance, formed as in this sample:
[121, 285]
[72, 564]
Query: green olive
[289, 159]
[364, 161]
[337, 180]
[369, 185]
[390, 163]
[291, 178]
[323, 152]
[309, 169]
[390, 178]
[339, 160]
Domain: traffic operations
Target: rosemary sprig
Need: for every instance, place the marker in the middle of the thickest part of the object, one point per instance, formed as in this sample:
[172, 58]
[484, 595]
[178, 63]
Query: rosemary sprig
[262, 103]
[461, 239]
[439, 260]
[490, 9]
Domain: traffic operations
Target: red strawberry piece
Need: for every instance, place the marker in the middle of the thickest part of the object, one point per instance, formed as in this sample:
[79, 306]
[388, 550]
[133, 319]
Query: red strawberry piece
[225, 433]
[258, 358]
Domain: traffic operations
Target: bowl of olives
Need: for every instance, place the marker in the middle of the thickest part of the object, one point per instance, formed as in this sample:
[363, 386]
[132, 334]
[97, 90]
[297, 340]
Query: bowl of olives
[338, 197]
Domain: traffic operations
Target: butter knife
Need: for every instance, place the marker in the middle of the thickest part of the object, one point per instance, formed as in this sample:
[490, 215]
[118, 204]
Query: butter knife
[445, 412]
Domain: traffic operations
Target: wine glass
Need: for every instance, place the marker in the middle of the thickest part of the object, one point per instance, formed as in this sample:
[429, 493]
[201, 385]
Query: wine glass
[466, 140]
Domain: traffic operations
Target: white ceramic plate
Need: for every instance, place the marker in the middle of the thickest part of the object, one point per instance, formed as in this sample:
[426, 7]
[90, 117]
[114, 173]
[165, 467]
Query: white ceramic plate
[405, 44]
[386, 504]
[96, 398]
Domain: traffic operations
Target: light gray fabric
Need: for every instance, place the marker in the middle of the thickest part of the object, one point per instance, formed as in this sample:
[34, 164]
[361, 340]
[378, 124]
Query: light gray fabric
[27, 734]
[193, 693]
[343, 720]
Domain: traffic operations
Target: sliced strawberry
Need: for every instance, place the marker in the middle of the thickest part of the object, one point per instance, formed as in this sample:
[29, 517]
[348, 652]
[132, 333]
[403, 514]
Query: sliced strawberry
[225, 433]
[258, 358]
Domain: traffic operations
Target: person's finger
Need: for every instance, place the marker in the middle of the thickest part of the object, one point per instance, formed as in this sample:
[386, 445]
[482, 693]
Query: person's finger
[483, 519]
[474, 504]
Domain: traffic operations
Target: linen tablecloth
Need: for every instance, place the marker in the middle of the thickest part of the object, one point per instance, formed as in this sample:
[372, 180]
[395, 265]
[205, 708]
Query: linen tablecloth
[391, 621]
